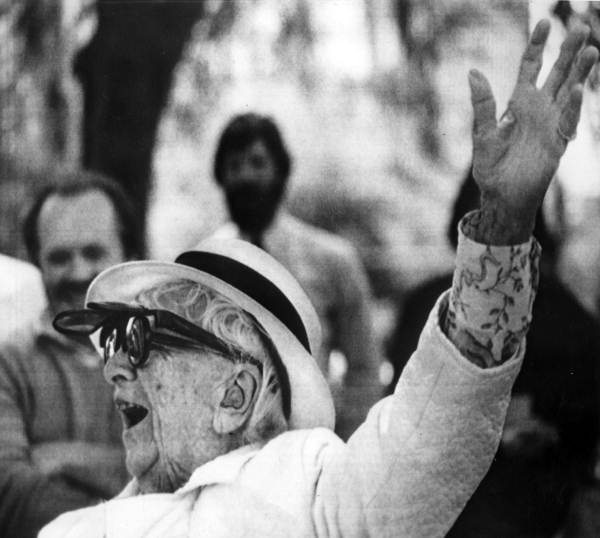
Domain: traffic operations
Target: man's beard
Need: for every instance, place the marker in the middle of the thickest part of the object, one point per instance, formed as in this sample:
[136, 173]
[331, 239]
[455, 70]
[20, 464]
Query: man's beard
[69, 295]
[253, 208]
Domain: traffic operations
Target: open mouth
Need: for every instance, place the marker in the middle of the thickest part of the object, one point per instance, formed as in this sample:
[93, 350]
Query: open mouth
[132, 413]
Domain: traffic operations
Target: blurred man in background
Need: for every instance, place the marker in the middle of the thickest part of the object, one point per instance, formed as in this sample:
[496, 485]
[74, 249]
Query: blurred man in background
[252, 166]
[60, 446]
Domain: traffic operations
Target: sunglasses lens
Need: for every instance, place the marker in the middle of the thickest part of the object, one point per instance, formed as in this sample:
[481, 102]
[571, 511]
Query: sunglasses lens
[137, 337]
[110, 345]
[79, 321]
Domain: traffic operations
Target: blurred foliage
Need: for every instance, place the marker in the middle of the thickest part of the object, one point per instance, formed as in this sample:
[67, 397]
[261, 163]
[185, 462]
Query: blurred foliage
[18, 185]
[350, 83]
[32, 109]
[220, 19]
[124, 54]
[352, 86]
[335, 83]
[125, 72]
[427, 25]
[38, 21]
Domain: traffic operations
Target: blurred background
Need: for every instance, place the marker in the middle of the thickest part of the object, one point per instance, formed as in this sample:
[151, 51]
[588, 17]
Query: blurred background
[371, 95]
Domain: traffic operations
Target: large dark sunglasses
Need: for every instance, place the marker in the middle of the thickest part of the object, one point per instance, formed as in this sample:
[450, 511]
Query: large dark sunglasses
[135, 330]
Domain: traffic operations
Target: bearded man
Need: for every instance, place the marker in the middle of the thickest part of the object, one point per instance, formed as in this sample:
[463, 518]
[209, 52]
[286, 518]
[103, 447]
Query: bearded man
[253, 166]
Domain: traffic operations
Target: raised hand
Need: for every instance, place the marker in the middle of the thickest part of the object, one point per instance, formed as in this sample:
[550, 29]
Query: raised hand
[514, 159]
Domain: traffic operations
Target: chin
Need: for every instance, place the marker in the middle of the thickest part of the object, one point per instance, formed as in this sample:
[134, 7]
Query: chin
[157, 478]
[62, 304]
[254, 224]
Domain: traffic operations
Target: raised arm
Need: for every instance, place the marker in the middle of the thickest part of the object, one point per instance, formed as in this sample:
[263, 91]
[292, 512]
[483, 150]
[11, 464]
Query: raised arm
[422, 452]
[513, 162]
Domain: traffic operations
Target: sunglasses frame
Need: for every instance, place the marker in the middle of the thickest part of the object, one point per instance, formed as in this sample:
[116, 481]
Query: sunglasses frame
[123, 313]
[120, 320]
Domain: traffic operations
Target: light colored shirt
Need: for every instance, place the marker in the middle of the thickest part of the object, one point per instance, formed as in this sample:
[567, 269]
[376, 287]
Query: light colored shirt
[331, 273]
[407, 471]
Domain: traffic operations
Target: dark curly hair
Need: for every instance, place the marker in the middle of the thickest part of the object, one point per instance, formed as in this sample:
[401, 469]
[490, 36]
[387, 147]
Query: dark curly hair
[241, 131]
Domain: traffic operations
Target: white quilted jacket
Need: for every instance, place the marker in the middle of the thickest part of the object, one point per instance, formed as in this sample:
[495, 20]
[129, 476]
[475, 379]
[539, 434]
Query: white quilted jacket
[406, 472]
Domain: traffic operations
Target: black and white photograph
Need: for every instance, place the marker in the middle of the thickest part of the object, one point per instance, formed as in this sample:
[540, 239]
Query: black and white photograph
[299, 268]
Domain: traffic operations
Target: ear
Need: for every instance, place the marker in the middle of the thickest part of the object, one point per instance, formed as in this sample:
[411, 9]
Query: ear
[237, 396]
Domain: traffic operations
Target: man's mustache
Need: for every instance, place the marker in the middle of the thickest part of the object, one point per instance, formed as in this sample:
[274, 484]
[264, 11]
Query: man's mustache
[68, 288]
[248, 194]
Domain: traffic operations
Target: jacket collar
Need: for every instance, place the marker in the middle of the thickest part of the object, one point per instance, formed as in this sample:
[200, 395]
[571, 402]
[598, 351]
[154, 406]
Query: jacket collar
[230, 230]
[222, 470]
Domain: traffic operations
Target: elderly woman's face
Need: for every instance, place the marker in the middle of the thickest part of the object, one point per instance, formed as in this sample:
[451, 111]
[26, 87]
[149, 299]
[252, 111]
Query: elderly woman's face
[167, 408]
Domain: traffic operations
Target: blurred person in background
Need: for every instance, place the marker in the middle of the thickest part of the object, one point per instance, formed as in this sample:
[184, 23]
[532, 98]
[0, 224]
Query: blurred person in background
[252, 166]
[547, 451]
[60, 446]
[22, 295]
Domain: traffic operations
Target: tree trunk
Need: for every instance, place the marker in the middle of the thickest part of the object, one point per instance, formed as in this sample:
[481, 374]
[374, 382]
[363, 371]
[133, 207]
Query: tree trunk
[126, 72]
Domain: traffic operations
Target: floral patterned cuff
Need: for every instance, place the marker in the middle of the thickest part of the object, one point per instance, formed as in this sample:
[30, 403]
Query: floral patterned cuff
[489, 310]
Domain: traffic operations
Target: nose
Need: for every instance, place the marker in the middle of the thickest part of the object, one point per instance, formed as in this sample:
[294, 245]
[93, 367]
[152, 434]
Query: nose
[247, 170]
[82, 269]
[118, 369]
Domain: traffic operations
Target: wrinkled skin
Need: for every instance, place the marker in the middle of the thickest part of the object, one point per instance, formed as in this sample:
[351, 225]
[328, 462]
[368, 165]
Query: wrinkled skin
[180, 389]
[514, 159]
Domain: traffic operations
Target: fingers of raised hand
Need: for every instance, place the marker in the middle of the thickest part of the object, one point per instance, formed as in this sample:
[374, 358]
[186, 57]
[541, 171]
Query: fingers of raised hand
[531, 61]
[567, 123]
[579, 72]
[484, 104]
[565, 64]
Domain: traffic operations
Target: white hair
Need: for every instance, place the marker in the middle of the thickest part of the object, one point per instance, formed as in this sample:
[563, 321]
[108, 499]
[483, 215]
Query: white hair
[217, 314]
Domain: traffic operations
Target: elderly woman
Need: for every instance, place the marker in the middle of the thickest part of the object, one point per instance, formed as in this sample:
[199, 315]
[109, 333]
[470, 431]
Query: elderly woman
[227, 418]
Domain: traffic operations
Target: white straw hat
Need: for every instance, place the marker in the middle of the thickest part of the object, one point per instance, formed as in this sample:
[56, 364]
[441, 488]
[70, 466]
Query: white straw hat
[256, 282]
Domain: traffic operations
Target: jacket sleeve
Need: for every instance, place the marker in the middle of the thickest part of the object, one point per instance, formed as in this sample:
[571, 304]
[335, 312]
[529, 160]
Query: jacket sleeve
[28, 499]
[413, 464]
[411, 467]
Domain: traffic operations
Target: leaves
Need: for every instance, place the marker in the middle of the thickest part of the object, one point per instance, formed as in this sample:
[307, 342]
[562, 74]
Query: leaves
[523, 261]
[518, 285]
